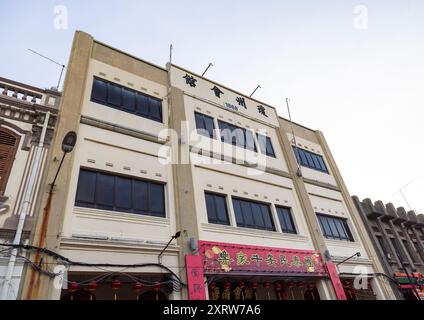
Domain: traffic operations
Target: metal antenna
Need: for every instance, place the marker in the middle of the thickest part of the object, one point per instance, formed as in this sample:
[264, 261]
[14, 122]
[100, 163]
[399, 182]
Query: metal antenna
[258, 87]
[170, 53]
[299, 170]
[55, 62]
[210, 65]
[403, 195]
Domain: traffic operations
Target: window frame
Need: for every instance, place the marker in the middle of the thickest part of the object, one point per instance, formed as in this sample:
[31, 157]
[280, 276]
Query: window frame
[136, 111]
[305, 158]
[254, 225]
[10, 151]
[290, 217]
[267, 139]
[114, 207]
[333, 222]
[231, 127]
[202, 131]
[217, 221]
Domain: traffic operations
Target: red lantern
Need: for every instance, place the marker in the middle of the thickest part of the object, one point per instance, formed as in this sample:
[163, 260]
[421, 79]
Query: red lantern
[290, 284]
[115, 285]
[212, 286]
[242, 285]
[254, 285]
[227, 285]
[310, 286]
[137, 287]
[300, 284]
[267, 285]
[277, 286]
[92, 286]
[73, 286]
[156, 286]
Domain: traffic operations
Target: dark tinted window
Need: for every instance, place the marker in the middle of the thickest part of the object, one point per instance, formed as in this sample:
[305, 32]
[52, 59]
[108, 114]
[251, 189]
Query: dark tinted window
[156, 200]
[114, 95]
[128, 100]
[251, 214]
[265, 145]
[86, 187]
[116, 193]
[155, 109]
[204, 125]
[141, 196]
[123, 193]
[310, 160]
[142, 105]
[105, 190]
[286, 220]
[335, 228]
[216, 207]
[236, 136]
[99, 92]
[125, 99]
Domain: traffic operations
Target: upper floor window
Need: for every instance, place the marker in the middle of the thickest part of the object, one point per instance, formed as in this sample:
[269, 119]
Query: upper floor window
[254, 215]
[286, 220]
[125, 99]
[237, 136]
[335, 228]
[117, 193]
[204, 125]
[310, 160]
[216, 207]
[265, 145]
[383, 246]
[8, 145]
[398, 252]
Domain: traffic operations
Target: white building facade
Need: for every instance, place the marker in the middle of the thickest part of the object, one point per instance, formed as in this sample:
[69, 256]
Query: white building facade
[181, 188]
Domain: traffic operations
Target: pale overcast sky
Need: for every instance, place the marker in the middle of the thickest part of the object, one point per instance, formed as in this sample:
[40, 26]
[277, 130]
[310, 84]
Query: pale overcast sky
[353, 69]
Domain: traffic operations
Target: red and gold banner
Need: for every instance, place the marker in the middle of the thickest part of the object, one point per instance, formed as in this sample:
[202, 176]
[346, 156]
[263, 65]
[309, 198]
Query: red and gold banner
[335, 280]
[195, 279]
[242, 259]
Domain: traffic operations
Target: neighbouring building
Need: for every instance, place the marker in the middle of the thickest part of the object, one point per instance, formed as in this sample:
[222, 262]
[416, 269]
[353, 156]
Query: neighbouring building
[398, 237]
[28, 116]
[180, 181]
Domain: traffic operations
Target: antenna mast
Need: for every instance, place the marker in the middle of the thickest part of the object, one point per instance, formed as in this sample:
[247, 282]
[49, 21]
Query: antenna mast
[299, 170]
[55, 62]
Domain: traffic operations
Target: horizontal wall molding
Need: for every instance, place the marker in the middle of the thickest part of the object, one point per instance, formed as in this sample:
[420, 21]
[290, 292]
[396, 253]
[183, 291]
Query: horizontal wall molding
[105, 215]
[138, 247]
[123, 148]
[322, 184]
[243, 177]
[254, 233]
[121, 129]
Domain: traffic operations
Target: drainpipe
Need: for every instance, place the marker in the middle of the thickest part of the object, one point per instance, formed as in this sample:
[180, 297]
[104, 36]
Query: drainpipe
[25, 208]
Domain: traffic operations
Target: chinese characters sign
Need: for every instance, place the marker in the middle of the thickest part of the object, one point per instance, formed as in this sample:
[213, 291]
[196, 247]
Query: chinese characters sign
[335, 280]
[231, 258]
[195, 279]
[211, 92]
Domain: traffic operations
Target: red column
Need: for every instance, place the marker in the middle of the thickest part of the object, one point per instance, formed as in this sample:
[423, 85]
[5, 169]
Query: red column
[335, 280]
[195, 278]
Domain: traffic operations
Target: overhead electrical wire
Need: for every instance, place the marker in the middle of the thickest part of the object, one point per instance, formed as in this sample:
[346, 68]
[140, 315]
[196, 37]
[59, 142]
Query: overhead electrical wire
[174, 280]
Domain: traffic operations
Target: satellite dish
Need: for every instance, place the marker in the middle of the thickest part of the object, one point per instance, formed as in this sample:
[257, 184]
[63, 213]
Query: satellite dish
[69, 142]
